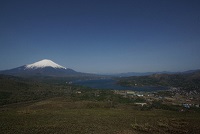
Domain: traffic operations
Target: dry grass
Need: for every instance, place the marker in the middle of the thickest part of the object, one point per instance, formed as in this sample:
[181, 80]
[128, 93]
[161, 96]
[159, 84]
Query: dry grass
[62, 115]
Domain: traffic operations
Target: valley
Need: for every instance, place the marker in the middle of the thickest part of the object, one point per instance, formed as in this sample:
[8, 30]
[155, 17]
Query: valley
[88, 103]
[28, 105]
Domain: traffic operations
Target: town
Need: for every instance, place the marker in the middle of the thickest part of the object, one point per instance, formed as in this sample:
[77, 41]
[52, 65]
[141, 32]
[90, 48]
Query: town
[173, 96]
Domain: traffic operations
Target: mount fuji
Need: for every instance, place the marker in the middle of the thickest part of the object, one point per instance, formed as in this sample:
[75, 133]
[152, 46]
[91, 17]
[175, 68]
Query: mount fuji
[42, 68]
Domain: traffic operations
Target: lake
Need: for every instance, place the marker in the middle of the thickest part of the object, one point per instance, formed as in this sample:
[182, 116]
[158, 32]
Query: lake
[111, 84]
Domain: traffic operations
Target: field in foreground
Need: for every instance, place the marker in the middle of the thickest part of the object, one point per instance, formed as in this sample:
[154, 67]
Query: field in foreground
[62, 115]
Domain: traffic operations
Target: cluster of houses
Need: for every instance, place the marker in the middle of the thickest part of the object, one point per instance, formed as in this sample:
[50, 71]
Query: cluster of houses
[128, 93]
[178, 98]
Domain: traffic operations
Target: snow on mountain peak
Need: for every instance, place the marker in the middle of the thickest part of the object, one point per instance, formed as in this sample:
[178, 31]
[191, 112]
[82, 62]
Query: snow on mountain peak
[44, 63]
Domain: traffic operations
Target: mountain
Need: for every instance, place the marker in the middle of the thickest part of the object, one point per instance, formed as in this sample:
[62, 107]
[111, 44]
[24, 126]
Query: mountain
[42, 68]
[44, 63]
[141, 73]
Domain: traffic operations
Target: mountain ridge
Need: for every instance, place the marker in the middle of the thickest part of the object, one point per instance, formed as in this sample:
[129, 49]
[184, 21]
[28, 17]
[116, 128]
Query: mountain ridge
[128, 74]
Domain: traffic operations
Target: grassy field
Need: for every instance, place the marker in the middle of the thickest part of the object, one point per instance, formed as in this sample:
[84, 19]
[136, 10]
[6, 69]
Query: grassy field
[62, 115]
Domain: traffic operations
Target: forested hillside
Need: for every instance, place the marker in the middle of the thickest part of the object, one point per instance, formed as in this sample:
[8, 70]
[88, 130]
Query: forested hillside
[16, 89]
[187, 81]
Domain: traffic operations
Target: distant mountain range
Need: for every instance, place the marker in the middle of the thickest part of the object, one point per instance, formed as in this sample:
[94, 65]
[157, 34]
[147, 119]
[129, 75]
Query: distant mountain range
[49, 68]
[42, 68]
[151, 73]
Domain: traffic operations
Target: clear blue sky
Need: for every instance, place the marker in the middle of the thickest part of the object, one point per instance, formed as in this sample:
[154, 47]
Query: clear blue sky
[101, 36]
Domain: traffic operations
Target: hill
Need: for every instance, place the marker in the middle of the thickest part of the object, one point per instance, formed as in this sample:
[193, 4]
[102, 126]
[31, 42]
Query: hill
[187, 81]
[16, 89]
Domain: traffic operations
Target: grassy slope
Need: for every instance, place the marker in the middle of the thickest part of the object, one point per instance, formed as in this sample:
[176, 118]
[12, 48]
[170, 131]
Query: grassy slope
[63, 115]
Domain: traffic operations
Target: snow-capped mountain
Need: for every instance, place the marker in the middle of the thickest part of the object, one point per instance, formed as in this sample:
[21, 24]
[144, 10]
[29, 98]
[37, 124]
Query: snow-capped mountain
[41, 68]
[44, 63]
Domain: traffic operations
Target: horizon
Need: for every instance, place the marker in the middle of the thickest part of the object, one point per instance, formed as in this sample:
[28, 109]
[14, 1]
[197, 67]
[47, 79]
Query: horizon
[109, 73]
[102, 36]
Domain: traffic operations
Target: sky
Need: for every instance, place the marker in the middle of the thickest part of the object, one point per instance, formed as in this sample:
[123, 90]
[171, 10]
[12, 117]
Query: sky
[101, 36]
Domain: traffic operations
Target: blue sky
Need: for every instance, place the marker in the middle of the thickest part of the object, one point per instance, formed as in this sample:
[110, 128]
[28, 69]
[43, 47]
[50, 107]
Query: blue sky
[101, 36]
